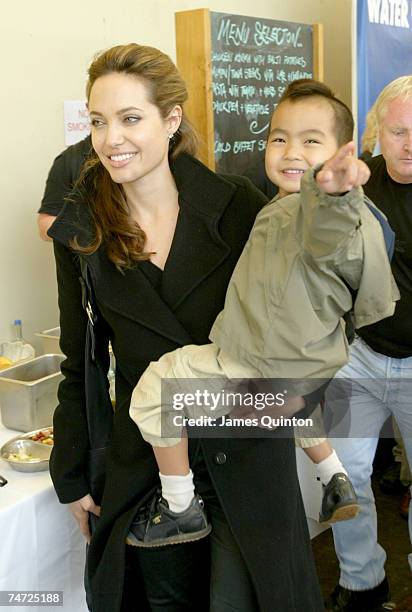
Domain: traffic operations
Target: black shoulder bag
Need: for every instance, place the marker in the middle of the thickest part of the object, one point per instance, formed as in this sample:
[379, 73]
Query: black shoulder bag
[99, 409]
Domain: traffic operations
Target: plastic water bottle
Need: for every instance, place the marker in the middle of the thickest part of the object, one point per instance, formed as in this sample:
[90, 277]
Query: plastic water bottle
[18, 331]
[19, 349]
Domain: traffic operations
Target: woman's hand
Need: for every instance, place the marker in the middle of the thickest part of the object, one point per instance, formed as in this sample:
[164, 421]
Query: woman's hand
[80, 510]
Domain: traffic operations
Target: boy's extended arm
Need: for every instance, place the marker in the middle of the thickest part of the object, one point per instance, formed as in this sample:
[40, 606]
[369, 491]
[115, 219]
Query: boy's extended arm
[331, 200]
[339, 232]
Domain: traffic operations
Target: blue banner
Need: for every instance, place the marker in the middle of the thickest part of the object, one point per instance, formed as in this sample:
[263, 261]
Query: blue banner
[384, 49]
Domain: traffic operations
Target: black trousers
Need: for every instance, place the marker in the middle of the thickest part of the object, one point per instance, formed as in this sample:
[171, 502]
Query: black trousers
[209, 575]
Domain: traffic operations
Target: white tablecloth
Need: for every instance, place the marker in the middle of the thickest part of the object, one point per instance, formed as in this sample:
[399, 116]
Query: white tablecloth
[41, 548]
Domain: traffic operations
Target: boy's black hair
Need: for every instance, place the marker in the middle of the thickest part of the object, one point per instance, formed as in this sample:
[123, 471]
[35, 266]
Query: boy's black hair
[306, 88]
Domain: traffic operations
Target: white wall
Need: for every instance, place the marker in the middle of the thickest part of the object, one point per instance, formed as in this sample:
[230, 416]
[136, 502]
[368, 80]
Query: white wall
[45, 48]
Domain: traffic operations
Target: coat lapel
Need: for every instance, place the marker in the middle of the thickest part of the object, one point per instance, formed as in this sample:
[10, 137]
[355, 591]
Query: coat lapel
[197, 250]
[132, 295]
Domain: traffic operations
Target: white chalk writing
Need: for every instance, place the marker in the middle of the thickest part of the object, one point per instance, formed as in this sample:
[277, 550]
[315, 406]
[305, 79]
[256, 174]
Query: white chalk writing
[253, 61]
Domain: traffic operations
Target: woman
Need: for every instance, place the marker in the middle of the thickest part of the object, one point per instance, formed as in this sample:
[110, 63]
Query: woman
[162, 234]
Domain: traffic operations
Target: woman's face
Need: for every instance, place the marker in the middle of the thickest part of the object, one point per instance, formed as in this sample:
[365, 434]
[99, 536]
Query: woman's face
[129, 135]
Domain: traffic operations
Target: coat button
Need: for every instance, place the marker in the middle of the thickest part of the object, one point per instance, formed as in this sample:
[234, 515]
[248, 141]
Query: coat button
[220, 458]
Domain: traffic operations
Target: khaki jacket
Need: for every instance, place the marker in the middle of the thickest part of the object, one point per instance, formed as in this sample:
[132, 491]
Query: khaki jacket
[289, 290]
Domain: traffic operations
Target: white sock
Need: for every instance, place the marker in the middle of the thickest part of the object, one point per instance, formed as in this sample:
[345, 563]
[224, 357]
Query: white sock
[329, 467]
[178, 491]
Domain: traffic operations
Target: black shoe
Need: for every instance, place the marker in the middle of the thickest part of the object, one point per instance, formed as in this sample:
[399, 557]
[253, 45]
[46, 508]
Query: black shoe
[339, 502]
[160, 526]
[371, 600]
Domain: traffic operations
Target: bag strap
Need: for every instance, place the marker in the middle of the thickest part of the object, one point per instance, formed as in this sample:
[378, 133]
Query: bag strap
[88, 305]
[99, 409]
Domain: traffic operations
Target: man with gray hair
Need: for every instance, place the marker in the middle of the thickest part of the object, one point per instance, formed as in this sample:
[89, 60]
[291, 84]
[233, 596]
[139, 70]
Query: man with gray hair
[381, 360]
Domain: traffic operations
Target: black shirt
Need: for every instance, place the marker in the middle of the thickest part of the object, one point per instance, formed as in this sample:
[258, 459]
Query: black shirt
[393, 336]
[62, 176]
[257, 174]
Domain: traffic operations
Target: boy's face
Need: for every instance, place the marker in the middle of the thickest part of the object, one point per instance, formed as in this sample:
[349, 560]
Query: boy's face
[302, 134]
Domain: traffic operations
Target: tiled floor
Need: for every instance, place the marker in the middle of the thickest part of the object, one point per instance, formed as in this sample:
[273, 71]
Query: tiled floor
[393, 536]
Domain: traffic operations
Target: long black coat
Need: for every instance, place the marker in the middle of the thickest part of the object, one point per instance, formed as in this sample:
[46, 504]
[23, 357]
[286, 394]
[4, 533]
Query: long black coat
[256, 480]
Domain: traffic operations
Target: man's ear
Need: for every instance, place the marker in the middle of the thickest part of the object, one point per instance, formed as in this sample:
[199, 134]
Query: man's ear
[174, 119]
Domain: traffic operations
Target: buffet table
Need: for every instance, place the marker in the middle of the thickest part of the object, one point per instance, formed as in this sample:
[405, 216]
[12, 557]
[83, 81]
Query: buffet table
[41, 548]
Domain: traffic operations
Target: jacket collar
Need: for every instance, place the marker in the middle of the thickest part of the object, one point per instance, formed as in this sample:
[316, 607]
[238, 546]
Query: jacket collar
[197, 250]
[201, 190]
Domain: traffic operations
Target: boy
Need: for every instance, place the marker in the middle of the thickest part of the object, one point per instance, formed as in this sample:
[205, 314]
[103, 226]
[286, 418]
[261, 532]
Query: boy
[284, 305]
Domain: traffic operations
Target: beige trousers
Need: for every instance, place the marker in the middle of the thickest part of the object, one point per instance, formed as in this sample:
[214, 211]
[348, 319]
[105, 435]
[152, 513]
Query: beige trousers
[311, 436]
[167, 392]
[156, 400]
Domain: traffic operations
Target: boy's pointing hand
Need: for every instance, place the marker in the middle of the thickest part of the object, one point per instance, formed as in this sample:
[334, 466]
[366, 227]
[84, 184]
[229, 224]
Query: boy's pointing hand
[342, 172]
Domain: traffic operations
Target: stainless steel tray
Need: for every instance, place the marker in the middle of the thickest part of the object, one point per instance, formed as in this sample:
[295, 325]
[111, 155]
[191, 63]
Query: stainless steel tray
[50, 339]
[28, 392]
[39, 452]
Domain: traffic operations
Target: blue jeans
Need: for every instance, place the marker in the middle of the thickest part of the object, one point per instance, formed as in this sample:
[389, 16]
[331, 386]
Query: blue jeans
[384, 388]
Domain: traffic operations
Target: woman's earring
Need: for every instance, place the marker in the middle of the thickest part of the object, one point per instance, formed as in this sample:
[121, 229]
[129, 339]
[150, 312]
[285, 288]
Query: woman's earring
[171, 136]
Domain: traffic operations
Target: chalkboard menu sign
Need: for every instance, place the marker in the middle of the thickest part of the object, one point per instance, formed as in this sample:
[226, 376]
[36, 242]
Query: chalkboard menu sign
[253, 61]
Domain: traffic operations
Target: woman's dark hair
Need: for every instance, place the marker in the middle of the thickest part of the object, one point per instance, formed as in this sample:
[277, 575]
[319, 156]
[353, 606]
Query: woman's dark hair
[124, 240]
[308, 88]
